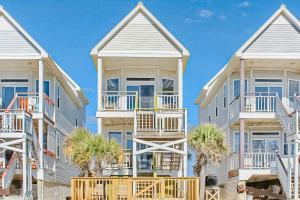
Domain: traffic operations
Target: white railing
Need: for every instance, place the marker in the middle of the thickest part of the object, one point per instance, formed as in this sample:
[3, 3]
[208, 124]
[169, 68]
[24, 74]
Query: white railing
[36, 147]
[167, 100]
[287, 121]
[119, 100]
[126, 164]
[9, 172]
[265, 160]
[162, 122]
[49, 160]
[234, 109]
[259, 102]
[283, 175]
[234, 161]
[15, 121]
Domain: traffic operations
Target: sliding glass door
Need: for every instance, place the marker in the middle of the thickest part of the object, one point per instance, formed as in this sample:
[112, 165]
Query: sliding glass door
[8, 93]
[145, 95]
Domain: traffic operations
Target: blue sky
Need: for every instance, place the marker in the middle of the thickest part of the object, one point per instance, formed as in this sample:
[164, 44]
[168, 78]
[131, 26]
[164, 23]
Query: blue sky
[212, 30]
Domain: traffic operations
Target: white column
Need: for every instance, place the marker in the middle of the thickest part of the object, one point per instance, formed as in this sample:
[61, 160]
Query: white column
[289, 170]
[25, 168]
[185, 158]
[242, 122]
[41, 121]
[100, 90]
[134, 160]
[41, 85]
[180, 85]
[296, 164]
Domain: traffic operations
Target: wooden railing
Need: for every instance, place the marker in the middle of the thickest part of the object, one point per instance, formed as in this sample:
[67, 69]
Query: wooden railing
[119, 100]
[135, 188]
[161, 122]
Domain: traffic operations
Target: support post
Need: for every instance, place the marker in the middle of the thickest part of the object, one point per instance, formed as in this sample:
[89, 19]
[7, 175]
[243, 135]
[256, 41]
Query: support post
[100, 91]
[242, 121]
[289, 192]
[180, 85]
[185, 158]
[25, 169]
[41, 86]
[134, 160]
[40, 120]
[296, 179]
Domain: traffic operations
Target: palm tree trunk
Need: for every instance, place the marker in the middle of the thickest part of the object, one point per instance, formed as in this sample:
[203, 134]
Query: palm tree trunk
[202, 183]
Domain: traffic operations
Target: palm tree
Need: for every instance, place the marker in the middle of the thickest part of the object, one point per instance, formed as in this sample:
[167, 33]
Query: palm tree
[207, 142]
[92, 153]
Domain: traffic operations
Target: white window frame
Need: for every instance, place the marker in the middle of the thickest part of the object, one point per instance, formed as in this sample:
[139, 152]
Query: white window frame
[46, 80]
[167, 78]
[58, 145]
[122, 135]
[225, 95]
[288, 89]
[237, 79]
[266, 137]
[248, 137]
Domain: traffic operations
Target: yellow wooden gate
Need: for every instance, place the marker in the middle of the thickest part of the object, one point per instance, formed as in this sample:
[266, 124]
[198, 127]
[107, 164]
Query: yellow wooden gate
[135, 188]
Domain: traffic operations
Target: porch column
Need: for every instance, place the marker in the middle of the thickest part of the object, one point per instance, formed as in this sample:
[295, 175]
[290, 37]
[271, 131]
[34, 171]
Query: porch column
[25, 169]
[185, 165]
[180, 76]
[242, 121]
[289, 192]
[40, 120]
[134, 160]
[100, 90]
[296, 164]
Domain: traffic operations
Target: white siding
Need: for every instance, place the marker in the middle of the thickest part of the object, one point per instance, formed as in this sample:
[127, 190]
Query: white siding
[12, 42]
[280, 37]
[139, 34]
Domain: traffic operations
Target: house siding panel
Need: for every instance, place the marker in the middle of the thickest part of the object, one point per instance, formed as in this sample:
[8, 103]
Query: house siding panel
[280, 37]
[12, 42]
[139, 35]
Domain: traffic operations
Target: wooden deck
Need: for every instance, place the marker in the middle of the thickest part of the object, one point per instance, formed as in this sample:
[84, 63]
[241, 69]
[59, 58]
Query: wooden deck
[128, 188]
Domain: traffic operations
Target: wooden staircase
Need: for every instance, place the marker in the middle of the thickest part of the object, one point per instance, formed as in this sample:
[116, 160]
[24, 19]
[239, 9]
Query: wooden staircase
[293, 186]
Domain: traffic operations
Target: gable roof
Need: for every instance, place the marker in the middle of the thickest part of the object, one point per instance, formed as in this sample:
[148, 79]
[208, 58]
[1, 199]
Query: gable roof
[140, 8]
[280, 17]
[281, 30]
[14, 26]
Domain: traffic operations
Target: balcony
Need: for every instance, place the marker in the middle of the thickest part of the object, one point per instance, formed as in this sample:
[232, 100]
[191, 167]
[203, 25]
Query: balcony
[161, 123]
[127, 161]
[256, 105]
[30, 103]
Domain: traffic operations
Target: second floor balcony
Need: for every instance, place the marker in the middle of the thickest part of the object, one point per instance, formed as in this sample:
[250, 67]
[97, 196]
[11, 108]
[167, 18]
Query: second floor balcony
[131, 100]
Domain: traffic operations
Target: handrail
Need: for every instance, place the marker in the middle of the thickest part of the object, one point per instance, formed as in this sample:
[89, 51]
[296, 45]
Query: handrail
[286, 119]
[7, 175]
[281, 163]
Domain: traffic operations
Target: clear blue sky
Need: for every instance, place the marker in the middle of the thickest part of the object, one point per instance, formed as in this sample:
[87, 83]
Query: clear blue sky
[212, 30]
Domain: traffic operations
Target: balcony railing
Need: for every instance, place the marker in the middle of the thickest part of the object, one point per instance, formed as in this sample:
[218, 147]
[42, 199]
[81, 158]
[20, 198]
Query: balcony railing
[167, 100]
[119, 100]
[161, 122]
[15, 121]
[260, 102]
[30, 103]
[130, 100]
[253, 160]
[126, 164]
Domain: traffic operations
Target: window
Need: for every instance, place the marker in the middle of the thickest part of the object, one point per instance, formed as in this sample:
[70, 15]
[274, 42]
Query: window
[167, 85]
[237, 142]
[225, 96]
[112, 84]
[57, 145]
[117, 136]
[265, 134]
[45, 140]
[285, 145]
[46, 87]
[293, 89]
[76, 122]
[58, 96]
[236, 88]
[140, 79]
[129, 142]
[261, 80]
[216, 106]
[209, 119]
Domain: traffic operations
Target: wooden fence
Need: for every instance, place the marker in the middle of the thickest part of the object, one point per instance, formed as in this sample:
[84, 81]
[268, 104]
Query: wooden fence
[129, 188]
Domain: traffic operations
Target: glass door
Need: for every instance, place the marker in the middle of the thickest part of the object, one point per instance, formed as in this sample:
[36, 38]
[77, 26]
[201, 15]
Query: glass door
[9, 92]
[145, 98]
[265, 97]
